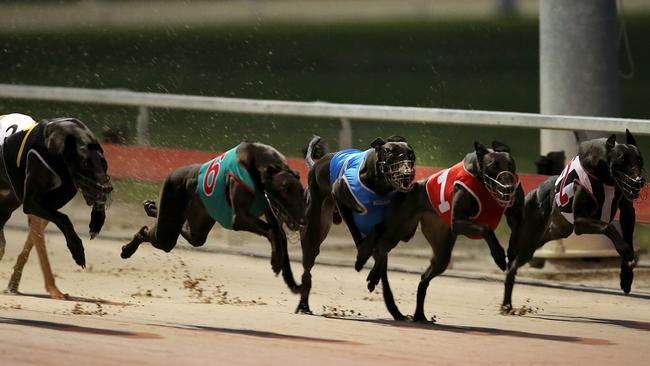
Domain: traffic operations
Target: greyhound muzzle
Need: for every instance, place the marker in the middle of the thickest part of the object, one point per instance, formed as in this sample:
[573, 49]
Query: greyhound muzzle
[503, 193]
[631, 187]
[96, 193]
[400, 174]
[282, 215]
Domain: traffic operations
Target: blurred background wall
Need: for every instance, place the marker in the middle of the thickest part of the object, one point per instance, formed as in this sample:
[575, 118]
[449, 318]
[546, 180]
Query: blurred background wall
[469, 54]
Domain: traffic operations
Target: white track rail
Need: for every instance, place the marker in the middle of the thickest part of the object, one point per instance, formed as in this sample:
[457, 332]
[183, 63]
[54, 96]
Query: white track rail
[324, 110]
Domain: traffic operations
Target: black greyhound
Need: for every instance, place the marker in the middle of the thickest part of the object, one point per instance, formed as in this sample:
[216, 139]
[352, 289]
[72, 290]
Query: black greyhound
[605, 177]
[466, 199]
[43, 166]
[235, 189]
[355, 186]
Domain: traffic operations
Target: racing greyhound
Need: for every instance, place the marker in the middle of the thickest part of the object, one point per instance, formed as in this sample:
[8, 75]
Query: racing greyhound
[467, 199]
[235, 189]
[354, 186]
[43, 165]
[604, 177]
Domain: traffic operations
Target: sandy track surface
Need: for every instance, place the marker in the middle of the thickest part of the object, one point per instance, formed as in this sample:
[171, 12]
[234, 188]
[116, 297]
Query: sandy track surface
[198, 307]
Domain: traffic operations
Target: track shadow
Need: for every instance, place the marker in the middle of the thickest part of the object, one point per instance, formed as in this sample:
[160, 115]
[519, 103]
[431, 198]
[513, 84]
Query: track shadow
[256, 333]
[72, 298]
[482, 331]
[631, 324]
[63, 327]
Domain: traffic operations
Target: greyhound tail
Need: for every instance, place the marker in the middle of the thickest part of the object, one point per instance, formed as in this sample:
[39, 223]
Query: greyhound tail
[310, 150]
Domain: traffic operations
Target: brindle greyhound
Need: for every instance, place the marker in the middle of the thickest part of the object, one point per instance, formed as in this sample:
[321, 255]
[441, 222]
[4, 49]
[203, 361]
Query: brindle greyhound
[467, 199]
[337, 183]
[42, 167]
[235, 189]
[605, 177]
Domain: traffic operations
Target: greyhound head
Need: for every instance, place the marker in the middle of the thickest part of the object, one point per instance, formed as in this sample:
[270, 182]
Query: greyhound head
[84, 157]
[285, 195]
[496, 168]
[626, 165]
[395, 161]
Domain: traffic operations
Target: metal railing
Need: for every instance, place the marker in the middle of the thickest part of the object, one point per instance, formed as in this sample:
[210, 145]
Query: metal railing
[346, 113]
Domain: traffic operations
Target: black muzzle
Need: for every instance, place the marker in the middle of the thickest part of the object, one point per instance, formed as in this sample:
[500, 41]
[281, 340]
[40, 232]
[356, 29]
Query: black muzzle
[631, 187]
[282, 214]
[400, 174]
[504, 194]
[96, 193]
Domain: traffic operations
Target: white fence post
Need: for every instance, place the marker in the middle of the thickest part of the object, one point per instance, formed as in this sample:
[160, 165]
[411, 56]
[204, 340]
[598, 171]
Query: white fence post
[142, 126]
[345, 134]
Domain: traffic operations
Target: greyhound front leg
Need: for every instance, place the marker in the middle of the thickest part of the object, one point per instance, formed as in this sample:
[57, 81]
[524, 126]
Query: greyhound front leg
[64, 224]
[97, 219]
[244, 221]
[470, 228]
[583, 225]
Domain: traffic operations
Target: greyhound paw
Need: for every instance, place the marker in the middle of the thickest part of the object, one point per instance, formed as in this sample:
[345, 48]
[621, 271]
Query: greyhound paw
[150, 208]
[56, 294]
[362, 257]
[402, 318]
[128, 250]
[11, 291]
[360, 262]
[77, 251]
[420, 318]
[276, 262]
[373, 278]
[303, 308]
[506, 309]
[627, 276]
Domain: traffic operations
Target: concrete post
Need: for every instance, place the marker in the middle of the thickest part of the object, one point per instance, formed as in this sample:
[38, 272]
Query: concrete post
[578, 76]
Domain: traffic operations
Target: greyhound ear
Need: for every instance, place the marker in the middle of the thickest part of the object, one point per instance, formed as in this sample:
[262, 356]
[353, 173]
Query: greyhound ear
[630, 140]
[396, 138]
[379, 142]
[500, 147]
[481, 151]
[611, 142]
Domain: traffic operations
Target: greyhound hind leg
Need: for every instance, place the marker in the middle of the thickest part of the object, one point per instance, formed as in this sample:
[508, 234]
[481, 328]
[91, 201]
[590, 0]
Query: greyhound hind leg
[171, 214]
[17, 273]
[319, 221]
[37, 231]
[442, 240]
[198, 224]
[389, 300]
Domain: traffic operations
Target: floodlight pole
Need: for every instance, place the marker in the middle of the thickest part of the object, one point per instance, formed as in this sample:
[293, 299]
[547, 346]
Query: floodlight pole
[578, 76]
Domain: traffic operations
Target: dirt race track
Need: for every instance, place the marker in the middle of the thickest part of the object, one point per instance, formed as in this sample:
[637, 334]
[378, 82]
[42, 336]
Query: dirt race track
[197, 307]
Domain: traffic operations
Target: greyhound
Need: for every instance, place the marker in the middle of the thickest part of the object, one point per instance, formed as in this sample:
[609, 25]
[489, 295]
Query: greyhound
[604, 177]
[235, 189]
[467, 199]
[353, 186]
[43, 166]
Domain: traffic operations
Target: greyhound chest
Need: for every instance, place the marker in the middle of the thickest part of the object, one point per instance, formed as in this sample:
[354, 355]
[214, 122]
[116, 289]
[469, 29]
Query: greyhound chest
[346, 164]
[212, 187]
[441, 188]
